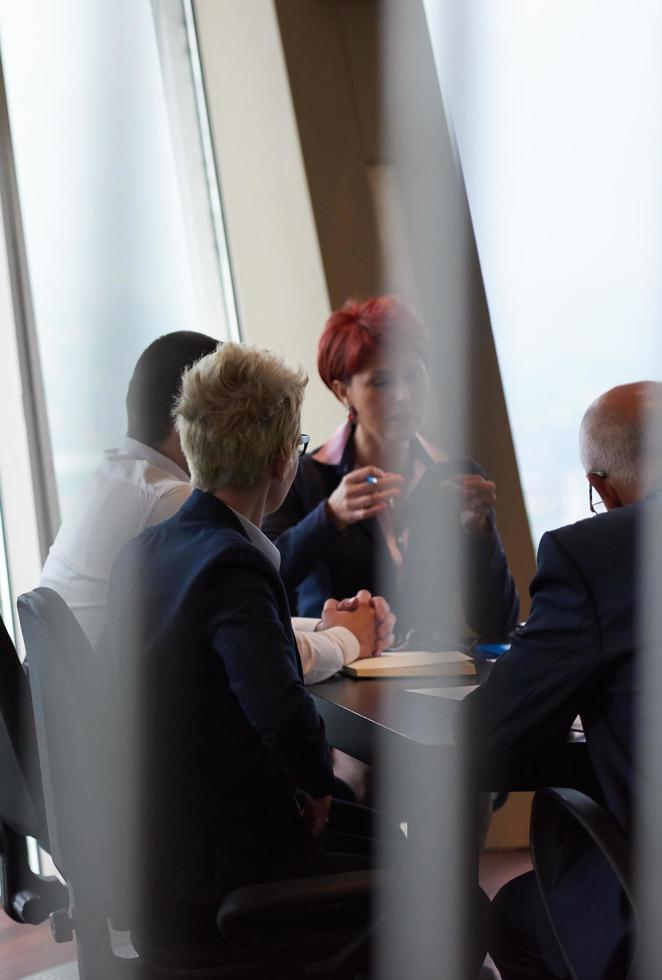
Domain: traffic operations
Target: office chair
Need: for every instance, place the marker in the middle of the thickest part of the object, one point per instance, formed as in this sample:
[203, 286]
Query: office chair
[27, 897]
[261, 941]
[562, 815]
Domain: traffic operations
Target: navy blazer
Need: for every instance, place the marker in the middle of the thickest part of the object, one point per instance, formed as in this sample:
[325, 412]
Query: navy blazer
[453, 571]
[218, 726]
[575, 655]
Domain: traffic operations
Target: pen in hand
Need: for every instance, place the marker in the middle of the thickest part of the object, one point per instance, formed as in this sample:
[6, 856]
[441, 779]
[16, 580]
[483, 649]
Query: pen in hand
[374, 480]
[362, 494]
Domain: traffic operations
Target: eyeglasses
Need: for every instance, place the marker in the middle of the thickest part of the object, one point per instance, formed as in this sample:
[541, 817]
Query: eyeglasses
[302, 444]
[593, 507]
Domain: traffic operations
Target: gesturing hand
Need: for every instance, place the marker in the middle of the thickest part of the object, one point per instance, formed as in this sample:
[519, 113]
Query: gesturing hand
[476, 500]
[356, 498]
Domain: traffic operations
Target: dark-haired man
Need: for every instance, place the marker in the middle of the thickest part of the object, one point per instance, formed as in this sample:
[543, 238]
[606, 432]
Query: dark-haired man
[145, 483]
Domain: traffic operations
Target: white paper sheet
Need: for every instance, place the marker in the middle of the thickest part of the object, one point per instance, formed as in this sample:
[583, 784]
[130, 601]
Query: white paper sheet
[452, 693]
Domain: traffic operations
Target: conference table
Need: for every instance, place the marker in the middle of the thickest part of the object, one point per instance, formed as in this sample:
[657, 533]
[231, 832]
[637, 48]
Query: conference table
[409, 738]
[374, 719]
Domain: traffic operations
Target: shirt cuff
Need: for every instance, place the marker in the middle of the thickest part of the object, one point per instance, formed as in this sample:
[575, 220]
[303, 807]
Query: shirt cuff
[325, 652]
[304, 624]
[348, 643]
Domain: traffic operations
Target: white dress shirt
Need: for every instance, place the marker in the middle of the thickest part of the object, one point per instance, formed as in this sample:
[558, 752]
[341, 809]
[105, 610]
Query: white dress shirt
[136, 488]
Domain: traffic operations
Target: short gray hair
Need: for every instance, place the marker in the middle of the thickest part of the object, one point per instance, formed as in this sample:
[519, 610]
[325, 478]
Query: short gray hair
[238, 411]
[612, 442]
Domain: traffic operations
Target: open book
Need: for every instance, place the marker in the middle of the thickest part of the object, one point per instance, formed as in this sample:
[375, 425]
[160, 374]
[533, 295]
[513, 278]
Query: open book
[413, 663]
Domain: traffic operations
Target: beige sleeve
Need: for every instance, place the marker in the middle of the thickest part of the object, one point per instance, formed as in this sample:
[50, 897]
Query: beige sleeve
[325, 652]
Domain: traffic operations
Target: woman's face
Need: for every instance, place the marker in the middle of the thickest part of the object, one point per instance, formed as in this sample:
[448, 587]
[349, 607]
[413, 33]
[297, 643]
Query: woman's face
[389, 396]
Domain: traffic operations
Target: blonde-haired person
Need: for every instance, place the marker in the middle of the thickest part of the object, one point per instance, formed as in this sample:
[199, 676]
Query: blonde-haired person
[201, 646]
[237, 414]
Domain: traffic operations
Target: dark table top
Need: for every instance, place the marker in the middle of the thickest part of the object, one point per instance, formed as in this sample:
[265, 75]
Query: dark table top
[373, 717]
[359, 714]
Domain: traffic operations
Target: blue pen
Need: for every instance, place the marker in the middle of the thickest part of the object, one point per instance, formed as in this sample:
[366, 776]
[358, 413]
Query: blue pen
[371, 479]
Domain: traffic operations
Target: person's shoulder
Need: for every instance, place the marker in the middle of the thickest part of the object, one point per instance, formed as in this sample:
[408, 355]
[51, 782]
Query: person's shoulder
[315, 475]
[134, 486]
[312, 466]
[196, 544]
[232, 558]
[145, 476]
[598, 546]
[214, 530]
[598, 527]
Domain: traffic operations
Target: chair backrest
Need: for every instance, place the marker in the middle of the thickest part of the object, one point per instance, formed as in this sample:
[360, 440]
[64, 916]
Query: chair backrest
[574, 839]
[26, 895]
[66, 700]
[69, 693]
[21, 801]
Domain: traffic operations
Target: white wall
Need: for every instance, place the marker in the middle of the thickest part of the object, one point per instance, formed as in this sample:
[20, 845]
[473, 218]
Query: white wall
[279, 277]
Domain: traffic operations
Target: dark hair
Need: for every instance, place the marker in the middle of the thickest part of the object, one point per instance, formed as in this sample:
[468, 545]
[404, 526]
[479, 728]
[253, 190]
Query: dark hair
[156, 381]
[354, 333]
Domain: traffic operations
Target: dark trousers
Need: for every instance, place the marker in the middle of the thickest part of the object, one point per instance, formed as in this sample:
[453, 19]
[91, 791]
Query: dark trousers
[591, 913]
[345, 845]
[518, 931]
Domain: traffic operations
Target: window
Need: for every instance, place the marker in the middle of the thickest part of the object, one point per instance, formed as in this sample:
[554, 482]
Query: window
[555, 109]
[120, 226]
[5, 591]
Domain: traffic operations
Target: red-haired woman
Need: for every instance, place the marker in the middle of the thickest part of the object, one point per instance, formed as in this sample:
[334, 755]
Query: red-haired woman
[378, 507]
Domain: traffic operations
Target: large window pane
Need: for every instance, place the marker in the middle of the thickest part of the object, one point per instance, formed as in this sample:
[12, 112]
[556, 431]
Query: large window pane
[102, 209]
[556, 112]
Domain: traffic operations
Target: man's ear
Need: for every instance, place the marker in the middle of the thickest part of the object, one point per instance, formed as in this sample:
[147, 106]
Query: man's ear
[605, 490]
[341, 392]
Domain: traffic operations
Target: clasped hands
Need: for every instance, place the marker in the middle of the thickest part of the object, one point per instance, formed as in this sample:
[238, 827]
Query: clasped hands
[368, 617]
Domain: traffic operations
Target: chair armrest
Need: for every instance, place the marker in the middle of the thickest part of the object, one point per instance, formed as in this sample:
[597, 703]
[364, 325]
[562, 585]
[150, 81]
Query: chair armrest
[283, 897]
[326, 920]
[594, 820]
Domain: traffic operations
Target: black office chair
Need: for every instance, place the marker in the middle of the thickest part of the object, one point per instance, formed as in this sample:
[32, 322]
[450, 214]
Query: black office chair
[261, 941]
[27, 897]
[561, 820]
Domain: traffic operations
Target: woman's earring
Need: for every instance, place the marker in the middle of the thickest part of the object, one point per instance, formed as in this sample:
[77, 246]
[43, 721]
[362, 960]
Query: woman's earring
[351, 416]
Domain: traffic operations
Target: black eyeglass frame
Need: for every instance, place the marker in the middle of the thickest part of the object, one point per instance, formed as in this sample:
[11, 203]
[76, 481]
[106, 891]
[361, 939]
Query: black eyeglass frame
[302, 444]
[591, 505]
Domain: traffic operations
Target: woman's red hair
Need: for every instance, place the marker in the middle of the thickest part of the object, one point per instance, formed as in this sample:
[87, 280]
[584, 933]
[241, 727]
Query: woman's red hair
[358, 330]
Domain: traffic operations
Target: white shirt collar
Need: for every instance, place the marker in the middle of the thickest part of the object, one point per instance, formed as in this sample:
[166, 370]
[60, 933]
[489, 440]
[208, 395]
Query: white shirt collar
[139, 450]
[260, 540]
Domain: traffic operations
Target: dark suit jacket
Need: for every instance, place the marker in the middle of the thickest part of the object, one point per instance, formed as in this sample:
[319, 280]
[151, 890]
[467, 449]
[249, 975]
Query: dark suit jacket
[575, 655]
[217, 726]
[452, 571]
